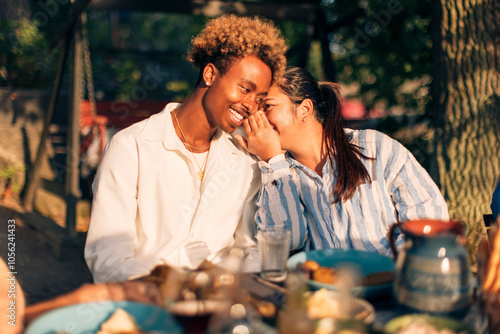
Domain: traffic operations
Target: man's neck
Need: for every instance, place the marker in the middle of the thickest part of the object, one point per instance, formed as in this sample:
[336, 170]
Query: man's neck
[192, 122]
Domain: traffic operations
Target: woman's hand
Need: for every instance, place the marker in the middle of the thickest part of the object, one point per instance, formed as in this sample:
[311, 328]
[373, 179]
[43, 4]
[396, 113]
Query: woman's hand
[261, 140]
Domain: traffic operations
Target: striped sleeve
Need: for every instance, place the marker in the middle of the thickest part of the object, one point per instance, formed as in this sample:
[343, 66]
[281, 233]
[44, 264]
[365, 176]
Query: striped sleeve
[414, 193]
[279, 203]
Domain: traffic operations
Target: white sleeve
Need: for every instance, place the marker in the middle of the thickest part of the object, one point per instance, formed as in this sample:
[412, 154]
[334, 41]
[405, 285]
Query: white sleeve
[109, 249]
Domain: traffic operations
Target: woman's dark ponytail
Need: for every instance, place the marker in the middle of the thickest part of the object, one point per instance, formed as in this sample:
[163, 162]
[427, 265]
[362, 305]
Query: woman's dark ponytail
[345, 156]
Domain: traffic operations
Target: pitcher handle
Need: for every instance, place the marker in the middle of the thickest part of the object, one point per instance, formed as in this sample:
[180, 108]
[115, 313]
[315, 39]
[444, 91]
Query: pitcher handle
[392, 242]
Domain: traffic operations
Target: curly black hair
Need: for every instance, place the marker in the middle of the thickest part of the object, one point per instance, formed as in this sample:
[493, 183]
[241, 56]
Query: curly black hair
[230, 37]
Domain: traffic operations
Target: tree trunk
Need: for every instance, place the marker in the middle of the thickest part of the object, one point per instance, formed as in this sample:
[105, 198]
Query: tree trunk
[466, 106]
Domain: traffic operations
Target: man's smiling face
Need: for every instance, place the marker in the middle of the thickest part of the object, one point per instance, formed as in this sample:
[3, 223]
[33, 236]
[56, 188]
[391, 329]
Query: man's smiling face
[234, 96]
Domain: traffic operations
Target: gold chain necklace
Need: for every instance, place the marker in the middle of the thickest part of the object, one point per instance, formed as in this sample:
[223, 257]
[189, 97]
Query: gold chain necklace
[201, 171]
[185, 142]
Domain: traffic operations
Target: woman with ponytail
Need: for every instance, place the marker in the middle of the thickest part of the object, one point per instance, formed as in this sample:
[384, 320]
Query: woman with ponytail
[334, 187]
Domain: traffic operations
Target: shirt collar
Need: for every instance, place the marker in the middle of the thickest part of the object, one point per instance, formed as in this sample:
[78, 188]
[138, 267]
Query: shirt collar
[160, 128]
[350, 133]
[306, 170]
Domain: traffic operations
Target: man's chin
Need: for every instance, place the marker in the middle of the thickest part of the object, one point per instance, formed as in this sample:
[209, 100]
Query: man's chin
[231, 128]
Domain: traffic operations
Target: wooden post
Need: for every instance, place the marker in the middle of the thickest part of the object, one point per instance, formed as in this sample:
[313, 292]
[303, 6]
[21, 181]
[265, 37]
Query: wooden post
[28, 195]
[72, 188]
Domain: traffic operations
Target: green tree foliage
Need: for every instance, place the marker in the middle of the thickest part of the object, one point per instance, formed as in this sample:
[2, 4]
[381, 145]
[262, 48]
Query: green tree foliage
[386, 51]
[25, 60]
[141, 56]
[129, 49]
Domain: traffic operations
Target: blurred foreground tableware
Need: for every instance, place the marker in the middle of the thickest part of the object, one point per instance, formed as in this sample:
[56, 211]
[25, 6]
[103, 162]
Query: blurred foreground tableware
[428, 324]
[322, 311]
[432, 270]
[336, 305]
[274, 247]
[194, 315]
[88, 318]
[366, 264]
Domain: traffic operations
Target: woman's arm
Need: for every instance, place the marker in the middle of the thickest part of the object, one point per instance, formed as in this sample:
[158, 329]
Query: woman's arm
[414, 193]
[279, 202]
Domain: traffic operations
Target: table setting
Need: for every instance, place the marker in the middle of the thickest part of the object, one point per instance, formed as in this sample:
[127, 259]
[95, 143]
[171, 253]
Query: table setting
[425, 287]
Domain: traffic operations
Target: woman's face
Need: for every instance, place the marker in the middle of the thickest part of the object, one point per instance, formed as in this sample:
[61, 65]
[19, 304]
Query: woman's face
[281, 113]
[234, 96]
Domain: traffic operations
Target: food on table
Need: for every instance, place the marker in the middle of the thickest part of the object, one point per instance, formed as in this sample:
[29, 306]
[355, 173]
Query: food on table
[120, 322]
[265, 308]
[378, 278]
[318, 273]
[329, 304]
[419, 327]
[310, 266]
[325, 275]
[322, 305]
[423, 327]
[333, 326]
[161, 272]
[329, 275]
[423, 323]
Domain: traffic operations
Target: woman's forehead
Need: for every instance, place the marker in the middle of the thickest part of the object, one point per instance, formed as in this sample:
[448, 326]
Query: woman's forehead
[275, 92]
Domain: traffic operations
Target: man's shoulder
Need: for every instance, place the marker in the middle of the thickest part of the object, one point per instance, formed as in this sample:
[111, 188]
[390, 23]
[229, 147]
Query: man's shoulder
[150, 127]
[134, 129]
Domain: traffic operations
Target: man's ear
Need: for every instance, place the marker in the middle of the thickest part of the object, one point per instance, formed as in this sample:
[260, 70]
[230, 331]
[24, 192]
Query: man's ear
[209, 74]
[305, 110]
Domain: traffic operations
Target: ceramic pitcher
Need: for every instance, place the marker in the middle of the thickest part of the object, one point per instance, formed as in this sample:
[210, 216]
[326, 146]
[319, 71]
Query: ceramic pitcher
[432, 272]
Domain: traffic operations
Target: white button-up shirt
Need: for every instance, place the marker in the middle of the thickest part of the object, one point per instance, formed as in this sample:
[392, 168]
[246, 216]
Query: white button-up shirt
[149, 207]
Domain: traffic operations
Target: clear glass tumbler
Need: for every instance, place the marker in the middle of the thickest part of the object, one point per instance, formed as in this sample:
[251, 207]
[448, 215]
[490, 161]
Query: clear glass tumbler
[274, 248]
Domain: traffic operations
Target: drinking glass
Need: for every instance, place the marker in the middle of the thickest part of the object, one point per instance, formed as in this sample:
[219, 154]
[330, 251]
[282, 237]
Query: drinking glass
[274, 248]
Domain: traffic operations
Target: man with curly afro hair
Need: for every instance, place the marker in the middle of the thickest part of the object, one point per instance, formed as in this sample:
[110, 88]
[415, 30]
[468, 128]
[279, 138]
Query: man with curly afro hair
[177, 188]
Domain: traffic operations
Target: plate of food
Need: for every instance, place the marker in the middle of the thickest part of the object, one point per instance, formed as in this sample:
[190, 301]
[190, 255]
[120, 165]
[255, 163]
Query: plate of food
[105, 317]
[374, 273]
[424, 323]
[325, 303]
[331, 312]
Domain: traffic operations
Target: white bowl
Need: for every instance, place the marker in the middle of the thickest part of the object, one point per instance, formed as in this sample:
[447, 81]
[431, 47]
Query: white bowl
[339, 306]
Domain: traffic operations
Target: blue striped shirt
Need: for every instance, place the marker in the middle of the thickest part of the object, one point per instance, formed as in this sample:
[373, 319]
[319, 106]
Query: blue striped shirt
[294, 196]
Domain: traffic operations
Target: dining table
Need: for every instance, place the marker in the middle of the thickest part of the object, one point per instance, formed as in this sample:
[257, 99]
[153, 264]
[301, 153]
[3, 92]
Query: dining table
[252, 289]
[386, 308]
